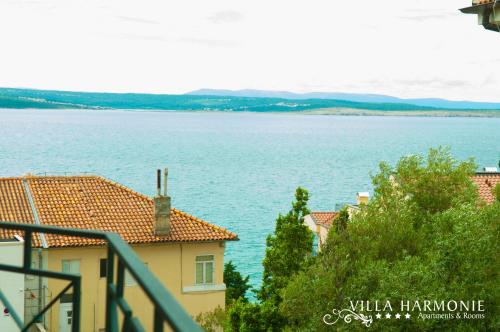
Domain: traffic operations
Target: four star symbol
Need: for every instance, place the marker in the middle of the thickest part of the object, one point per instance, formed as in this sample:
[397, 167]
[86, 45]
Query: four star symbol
[397, 316]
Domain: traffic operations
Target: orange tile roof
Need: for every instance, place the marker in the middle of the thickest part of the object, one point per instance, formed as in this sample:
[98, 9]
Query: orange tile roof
[486, 183]
[324, 218]
[93, 202]
[14, 206]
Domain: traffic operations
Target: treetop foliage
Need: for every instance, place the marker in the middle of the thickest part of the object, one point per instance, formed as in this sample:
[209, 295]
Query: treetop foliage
[424, 235]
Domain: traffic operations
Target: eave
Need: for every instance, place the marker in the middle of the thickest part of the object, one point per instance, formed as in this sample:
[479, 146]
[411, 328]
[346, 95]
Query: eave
[485, 11]
[477, 9]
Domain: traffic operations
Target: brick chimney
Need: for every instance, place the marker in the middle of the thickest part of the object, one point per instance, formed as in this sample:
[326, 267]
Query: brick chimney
[162, 206]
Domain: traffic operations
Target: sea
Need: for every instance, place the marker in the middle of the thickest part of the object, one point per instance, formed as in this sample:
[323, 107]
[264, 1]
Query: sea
[236, 170]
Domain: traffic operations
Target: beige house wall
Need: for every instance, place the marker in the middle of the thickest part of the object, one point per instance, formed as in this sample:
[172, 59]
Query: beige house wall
[320, 231]
[172, 263]
[322, 235]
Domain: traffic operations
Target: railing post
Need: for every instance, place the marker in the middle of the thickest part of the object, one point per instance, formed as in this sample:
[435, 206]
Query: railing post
[120, 279]
[27, 250]
[111, 313]
[75, 327]
[158, 320]
[120, 284]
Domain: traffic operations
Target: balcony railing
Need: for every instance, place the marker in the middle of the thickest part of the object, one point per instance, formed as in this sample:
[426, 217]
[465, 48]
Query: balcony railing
[166, 309]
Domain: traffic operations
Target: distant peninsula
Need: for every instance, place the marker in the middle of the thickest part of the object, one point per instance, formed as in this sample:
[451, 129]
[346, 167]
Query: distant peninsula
[246, 101]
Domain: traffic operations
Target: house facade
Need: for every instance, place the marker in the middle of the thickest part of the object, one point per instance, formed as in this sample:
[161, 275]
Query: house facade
[185, 253]
[12, 286]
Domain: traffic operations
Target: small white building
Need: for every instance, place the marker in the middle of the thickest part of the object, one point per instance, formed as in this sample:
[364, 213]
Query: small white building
[321, 222]
[11, 284]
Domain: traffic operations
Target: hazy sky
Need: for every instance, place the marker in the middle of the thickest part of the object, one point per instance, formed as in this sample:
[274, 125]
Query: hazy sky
[406, 48]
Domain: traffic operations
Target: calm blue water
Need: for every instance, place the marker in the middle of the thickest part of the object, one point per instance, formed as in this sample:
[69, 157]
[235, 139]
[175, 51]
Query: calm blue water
[235, 170]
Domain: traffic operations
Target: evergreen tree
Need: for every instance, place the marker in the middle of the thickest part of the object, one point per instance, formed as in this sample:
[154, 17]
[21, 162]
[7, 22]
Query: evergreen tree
[236, 285]
[287, 249]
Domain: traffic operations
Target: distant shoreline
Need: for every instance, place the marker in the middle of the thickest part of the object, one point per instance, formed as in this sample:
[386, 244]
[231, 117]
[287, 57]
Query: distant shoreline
[322, 111]
[418, 113]
[368, 105]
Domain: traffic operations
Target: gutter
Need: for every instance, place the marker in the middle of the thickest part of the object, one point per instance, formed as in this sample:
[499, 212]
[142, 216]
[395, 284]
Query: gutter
[39, 251]
[34, 211]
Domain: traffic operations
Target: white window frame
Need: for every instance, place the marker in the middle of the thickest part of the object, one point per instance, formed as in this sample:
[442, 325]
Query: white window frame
[204, 274]
[69, 261]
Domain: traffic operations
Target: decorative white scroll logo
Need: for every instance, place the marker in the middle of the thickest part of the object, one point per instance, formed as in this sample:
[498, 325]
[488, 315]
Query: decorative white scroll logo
[347, 315]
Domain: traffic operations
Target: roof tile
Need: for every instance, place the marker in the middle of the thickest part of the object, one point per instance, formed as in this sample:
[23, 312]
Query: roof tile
[324, 218]
[93, 202]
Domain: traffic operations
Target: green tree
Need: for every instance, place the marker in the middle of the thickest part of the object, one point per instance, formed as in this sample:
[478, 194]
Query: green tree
[287, 251]
[214, 321]
[247, 317]
[340, 223]
[236, 285]
[424, 235]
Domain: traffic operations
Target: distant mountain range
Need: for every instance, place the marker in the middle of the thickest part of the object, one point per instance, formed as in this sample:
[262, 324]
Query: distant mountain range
[355, 97]
[227, 100]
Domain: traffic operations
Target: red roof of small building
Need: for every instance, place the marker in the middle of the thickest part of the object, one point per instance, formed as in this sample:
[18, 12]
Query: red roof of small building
[95, 203]
[486, 183]
[324, 218]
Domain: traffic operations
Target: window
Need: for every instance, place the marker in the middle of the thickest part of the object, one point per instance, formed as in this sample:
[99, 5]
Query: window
[205, 269]
[103, 268]
[71, 266]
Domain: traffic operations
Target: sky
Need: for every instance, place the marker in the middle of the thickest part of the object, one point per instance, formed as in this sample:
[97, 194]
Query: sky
[409, 49]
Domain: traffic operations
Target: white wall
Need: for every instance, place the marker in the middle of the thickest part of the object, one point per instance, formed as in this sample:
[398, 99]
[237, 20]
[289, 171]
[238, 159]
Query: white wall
[11, 284]
[309, 222]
